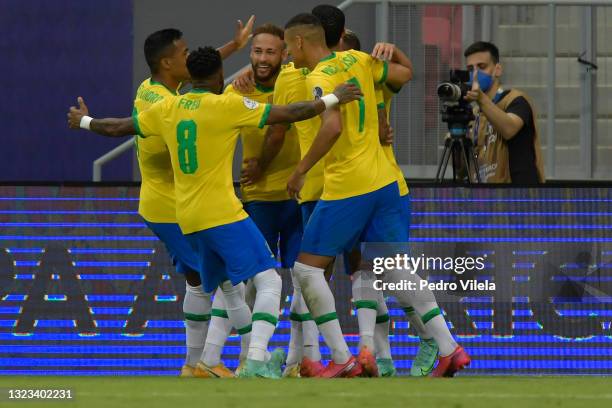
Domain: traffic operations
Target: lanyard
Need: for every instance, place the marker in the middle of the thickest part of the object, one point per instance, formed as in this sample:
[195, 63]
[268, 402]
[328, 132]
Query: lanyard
[476, 127]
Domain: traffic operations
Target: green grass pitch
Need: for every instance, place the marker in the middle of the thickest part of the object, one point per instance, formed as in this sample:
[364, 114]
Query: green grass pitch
[463, 392]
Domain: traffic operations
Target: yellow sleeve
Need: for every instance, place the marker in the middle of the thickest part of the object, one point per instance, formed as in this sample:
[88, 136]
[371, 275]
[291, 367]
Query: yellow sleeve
[380, 97]
[318, 85]
[379, 70]
[149, 122]
[246, 112]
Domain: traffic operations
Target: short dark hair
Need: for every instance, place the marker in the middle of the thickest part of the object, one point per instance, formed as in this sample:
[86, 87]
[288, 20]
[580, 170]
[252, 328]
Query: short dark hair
[483, 46]
[351, 40]
[156, 45]
[203, 62]
[271, 29]
[303, 19]
[332, 20]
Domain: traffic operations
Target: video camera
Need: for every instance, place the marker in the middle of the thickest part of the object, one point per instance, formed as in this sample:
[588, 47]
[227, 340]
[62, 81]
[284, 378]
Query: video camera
[457, 113]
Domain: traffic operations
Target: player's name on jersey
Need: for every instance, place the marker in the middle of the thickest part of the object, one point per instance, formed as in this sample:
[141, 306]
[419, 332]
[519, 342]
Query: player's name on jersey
[441, 285]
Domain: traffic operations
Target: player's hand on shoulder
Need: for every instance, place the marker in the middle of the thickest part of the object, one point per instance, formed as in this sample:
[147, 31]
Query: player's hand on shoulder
[245, 81]
[75, 114]
[347, 92]
[383, 51]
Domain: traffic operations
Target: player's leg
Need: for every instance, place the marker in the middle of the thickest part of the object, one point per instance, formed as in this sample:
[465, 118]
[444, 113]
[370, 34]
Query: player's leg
[427, 354]
[384, 360]
[215, 274]
[218, 332]
[247, 256]
[386, 226]
[196, 304]
[334, 227]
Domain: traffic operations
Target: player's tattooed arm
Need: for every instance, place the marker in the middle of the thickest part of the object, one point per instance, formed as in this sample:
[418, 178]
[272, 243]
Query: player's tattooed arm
[112, 127]
[295, 112]
[329, 132]
[241, 38]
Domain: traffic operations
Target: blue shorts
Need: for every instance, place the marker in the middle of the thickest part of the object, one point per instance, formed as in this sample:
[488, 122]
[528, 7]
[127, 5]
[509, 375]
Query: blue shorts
[280, 223]
[338, 225]
[235, 252]
[183, 257]
[307, 209]
[406, 216]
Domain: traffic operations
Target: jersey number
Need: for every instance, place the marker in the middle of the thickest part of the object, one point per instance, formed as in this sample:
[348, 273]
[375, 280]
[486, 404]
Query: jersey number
[186, 134]
[355, 81]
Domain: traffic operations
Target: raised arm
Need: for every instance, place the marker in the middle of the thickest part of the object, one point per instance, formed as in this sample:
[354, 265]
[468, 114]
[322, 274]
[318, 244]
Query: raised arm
[112, 127]
[241, 38]
[299, 111]
[399, 67]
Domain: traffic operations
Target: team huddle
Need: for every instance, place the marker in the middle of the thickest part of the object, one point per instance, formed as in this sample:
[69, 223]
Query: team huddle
[319, 180]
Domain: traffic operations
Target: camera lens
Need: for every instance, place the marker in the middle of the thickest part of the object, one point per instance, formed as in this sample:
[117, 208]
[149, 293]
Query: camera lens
[449, 92]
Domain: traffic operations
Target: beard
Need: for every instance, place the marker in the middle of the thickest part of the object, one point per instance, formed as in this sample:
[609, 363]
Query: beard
[274, 69]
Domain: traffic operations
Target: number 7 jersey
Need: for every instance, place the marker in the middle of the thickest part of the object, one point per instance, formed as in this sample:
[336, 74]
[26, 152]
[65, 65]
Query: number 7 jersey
[356, 164]
[201, 130]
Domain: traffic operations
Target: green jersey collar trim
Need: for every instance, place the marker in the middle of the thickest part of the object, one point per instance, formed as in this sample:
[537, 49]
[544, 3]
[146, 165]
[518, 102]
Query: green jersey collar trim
[199, 91]
[152, 82]
[264, 89]
[330, 56]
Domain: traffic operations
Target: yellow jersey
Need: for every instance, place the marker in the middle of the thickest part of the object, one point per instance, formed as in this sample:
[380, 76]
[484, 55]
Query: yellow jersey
[356, 164]
[290, 87]
[156, 202]
[386, 93]
[273, 184]
[201, 130]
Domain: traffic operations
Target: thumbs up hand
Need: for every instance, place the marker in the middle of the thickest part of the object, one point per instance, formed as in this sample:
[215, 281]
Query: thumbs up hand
[75, 114]
[475, 94]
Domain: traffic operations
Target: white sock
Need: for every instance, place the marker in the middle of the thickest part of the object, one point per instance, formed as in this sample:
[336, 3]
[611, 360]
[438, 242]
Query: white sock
[219, 330]
[309, 330]
[364, 298]
[320, 302]
[265, 312]
[424, 303]
[238, 312]
[381, 331]
[417, 323]
[295, 354]
[196, 308]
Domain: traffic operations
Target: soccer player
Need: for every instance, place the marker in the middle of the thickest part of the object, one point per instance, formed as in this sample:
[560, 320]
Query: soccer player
[360, 198]
[200, 130]
[269, 156]
[374, 325]
[166, 52]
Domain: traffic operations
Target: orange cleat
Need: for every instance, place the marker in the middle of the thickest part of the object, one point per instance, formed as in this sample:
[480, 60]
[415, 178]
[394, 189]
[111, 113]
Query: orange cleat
[350, 369]
[368, 363]
[311, 368]
[449, 365]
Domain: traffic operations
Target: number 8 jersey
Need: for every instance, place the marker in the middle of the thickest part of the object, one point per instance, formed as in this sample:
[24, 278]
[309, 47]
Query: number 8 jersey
[356, 164]
[201, 130]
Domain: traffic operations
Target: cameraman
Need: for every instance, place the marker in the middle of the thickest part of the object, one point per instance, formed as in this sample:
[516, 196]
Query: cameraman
[505, 132]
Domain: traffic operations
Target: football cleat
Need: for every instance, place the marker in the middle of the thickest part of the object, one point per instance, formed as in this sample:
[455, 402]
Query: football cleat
[187, 371]
[425, 359]
[292, 371]
[239, 368]
[449, 365]
[218, 371]
[311, 368]
[386, 368]
[350, 369]
[277, 359]
[368, 363]
[257, 369]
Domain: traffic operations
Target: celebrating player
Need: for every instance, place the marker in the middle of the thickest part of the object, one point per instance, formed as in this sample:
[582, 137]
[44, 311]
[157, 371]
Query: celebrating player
[201, 130]
[360, 198]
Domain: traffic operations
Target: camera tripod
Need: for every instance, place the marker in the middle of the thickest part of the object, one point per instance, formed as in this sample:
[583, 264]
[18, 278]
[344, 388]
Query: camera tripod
[461, 149]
